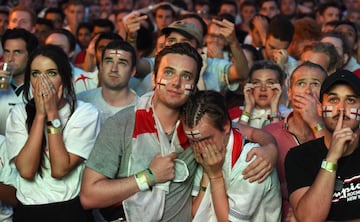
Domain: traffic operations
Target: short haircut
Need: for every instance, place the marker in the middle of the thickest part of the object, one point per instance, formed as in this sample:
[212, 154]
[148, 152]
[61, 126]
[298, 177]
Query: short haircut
[309, 65]
[264, 1]
[322, 7]
[69, 36]
[86, 25]
[348, 23]
[121, 45]
[104, 23]
[247, 3]
[29, 38]
[206, 103]
[281, 28]
[165, 7]
[55, 11]
[326, 48]
[24, 9]
[229, 2]
[182, 49]
[47, 22]
[107, 35]
[267, 64]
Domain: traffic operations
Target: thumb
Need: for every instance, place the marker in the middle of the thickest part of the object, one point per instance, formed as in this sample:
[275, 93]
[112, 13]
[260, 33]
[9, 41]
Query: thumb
[172, 155]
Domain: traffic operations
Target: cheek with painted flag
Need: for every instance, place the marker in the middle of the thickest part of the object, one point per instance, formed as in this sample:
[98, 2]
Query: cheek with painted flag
[354, 113]
[327, 111]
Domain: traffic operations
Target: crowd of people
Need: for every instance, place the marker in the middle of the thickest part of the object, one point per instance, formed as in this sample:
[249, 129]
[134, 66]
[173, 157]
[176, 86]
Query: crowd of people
[180, 110]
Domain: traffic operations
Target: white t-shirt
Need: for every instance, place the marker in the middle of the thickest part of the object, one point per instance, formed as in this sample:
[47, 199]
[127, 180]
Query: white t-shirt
[79, 134]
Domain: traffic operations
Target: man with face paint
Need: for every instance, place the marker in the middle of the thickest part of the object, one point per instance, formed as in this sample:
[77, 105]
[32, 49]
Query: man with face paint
[220, 191]
[142, 157]
[323, 174]
[301, 125]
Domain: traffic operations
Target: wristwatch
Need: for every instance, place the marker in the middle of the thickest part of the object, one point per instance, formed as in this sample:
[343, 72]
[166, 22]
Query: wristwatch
[56, 123]
[328, 166]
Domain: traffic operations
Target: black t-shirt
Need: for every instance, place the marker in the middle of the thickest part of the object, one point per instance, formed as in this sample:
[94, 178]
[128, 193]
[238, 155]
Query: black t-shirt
[302, 165]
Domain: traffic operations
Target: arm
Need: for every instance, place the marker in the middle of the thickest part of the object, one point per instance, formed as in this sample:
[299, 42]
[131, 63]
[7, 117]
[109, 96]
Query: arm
[89, 64]
[319, 195]
[98, 191]
[266, 155]
[7, 194]
[249, 104]
[239, 69]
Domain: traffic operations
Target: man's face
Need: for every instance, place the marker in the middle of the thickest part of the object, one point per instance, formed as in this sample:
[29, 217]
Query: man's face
[95, 11]
[330, 14]
[4, 21]
[163, 18]
[41, 32]
[125, 4]
[21, 19]
[16, 54]
[106, 6]
[175, 79]
[273, 46]
[288, 7]
[61, 41]
[319, 58]
[84, 37]
[56, 19]
[349, 33]
[227, 8]
[175, 37]
[269, 9]
[75, 14]
[204, 132]
[247, 13]
[341, 97]
[116, 69]
[305, 80]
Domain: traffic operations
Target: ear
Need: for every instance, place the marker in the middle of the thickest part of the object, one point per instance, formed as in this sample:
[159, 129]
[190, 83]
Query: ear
[133, 71]
[227, 127]
[319, 109]
[346, 59]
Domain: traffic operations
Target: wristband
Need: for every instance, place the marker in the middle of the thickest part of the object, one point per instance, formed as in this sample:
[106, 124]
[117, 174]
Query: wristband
[245, 116]
[151, 176]
[53, 130]
[318, 127]
[141, 181]
[328, 166]
[203, 188]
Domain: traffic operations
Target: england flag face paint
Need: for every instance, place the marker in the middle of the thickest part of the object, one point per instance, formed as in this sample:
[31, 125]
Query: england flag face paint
[193, 135]
[354, 113]
[162, 83]
[188, 89]
[327, 111]
[115, 52]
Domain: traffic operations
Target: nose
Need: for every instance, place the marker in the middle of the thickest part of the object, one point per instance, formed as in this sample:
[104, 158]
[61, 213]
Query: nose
[176, 80]
[114, 67]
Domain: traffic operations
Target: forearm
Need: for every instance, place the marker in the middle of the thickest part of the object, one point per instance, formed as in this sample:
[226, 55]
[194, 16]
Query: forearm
[219, 198]
[8, 194]
[103, 192]
[318, 196]
[28, 160]
[89, 64]
[197, 200]
[240, 63]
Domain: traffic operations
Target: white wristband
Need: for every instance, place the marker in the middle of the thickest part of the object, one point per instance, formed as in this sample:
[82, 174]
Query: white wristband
[141, 181]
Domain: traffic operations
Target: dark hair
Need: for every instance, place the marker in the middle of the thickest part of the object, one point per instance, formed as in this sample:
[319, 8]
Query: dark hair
[205, 102]
[107, 35]
[167, 8]
[121, 45]
[255, 54]
[229, 2]
[29, 38]
[69, 36]
[55, 10]
[261, 2]
[86, 25]
[309, 65]
[322, 7]
[47, 22]
[104, 23]
[58, 56]
[348, 23]
[248, 3]
[281, 28]
[326, 48]
[182, 49]
[267, 64]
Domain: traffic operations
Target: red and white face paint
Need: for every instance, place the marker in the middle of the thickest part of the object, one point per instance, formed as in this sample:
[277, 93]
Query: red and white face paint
[193, 135]
[188, 88]
[354, 113]
[116, 52]
[327, 111]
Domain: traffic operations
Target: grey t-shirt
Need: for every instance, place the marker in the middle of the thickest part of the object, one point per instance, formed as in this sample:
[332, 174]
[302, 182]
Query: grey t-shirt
[110, 157]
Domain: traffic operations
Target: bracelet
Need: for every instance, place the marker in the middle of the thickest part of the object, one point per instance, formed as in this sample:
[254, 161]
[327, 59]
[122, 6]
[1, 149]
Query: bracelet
[318, 127]
[245, 116]
[141, 181]
[151, 176]
[328, 166]
[53, 130]
[203, 188]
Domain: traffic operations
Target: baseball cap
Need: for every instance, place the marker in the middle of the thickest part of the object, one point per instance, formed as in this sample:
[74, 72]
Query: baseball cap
[187, 29]
[340, 76]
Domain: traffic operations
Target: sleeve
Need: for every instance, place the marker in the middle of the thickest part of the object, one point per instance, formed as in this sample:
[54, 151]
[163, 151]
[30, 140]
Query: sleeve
[105, 158]
[219, 68]
[16, 131]
[7, 174]
[81, 130]
[297, 174]
[197, 181]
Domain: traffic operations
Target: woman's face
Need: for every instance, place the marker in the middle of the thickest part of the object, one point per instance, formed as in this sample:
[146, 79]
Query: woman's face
[42, 65]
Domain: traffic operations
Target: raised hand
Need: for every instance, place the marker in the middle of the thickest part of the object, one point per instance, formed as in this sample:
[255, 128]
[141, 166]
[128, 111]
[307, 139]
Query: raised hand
[276, 97]
[249, 99]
